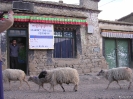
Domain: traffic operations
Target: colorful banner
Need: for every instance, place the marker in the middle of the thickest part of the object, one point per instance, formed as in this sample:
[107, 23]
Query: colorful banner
[49, 20]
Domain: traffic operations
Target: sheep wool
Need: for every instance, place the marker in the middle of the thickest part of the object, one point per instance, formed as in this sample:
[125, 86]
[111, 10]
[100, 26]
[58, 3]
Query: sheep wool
[61, 75]
[14, 75]
[116, 74]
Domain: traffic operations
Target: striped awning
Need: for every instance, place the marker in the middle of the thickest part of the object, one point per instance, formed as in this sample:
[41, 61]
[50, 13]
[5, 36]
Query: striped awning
[117, 34]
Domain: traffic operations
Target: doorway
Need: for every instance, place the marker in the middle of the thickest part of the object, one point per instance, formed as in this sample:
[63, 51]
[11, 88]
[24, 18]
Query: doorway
[23, 48]
[117, 52]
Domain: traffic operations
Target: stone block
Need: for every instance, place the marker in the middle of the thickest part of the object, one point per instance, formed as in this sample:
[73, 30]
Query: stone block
[87, 61]
[99, 63]
[89, 65]
[96, 60]
[86, 71]
[103, 64]
[32, 67]
[96, 69]
[83, 66]
[80, 71]
[76, 66]
[44, 57]
[32, 73]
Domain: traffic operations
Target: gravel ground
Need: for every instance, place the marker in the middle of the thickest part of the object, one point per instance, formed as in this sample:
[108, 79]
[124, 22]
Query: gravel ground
[90, 87]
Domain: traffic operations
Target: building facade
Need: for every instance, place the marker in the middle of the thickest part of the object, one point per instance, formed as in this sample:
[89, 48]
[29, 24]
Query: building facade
[117, 43]
[76, 37]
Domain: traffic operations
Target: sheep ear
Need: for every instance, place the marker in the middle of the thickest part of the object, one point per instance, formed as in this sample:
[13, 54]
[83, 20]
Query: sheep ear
[44, 73]
[101, 70]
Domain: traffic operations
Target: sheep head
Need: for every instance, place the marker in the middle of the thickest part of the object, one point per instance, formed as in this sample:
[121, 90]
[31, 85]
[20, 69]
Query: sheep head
[42, 74]
[101, 73]
[30, 78]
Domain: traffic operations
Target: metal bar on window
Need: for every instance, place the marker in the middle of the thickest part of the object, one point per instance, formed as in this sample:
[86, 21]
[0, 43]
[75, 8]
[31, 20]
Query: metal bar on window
[64, 44]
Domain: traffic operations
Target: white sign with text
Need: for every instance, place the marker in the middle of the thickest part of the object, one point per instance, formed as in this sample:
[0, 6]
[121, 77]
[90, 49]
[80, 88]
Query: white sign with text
[41, 36]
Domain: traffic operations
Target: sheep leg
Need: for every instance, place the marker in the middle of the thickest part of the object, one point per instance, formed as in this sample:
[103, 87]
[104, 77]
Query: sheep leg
[62, 87]
[45, 89]
[9, 85]
[108, 85]
[129, 85]
[52, 86]
[20, 84]
[118, 84]
[75, 87]
[38, 88]
[27, 83]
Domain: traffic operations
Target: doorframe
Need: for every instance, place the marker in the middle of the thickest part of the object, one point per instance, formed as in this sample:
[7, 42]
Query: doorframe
[27, 49]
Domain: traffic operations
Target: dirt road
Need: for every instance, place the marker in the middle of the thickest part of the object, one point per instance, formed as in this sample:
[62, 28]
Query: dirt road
[90, 87]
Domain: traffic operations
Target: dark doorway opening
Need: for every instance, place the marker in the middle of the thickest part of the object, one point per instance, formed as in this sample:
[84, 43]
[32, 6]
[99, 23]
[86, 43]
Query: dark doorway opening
[22, 42]
[22, 54]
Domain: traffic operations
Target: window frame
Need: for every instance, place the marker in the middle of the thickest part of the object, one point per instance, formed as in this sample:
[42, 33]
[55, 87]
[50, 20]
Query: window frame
[74, 53]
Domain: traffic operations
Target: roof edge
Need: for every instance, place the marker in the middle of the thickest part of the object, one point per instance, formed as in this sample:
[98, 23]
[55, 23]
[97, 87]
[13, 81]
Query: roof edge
[74, 6]
[125, 16]
[115, 22]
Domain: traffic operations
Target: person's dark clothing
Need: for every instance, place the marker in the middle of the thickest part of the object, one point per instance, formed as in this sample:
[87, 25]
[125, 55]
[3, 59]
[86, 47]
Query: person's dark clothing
[14, 50]
[14, 56]
[14, 62]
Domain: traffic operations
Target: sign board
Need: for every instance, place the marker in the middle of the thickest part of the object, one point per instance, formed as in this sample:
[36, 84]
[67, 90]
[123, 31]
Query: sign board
[90, 29]
[41, 36]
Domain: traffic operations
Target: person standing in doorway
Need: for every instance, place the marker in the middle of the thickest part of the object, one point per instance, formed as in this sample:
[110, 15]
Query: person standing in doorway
[14, 50]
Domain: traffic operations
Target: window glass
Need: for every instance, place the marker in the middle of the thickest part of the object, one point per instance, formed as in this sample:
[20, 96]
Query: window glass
[64, 44]
[17, 33]
[58, 34]
[68, 34]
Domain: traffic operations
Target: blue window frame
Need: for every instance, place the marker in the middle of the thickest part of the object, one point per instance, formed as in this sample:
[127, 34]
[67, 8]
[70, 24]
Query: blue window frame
[64, 44]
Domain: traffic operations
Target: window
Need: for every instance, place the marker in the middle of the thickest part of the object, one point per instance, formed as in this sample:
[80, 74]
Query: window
[17, 33]
[64, 44]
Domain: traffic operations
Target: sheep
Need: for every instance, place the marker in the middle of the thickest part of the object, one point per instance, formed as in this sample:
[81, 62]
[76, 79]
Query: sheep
[61, 75]
[117, 74]
[38, 81]
[14, 75]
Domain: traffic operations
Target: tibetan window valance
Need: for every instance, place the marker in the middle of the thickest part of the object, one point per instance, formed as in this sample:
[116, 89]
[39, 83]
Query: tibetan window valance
[117, 34]
[49, 20]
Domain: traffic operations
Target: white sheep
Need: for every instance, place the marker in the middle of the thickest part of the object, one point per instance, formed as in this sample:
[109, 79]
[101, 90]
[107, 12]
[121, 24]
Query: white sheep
[38, 81]
[61, 75]
[117, 74]
[14, 75]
